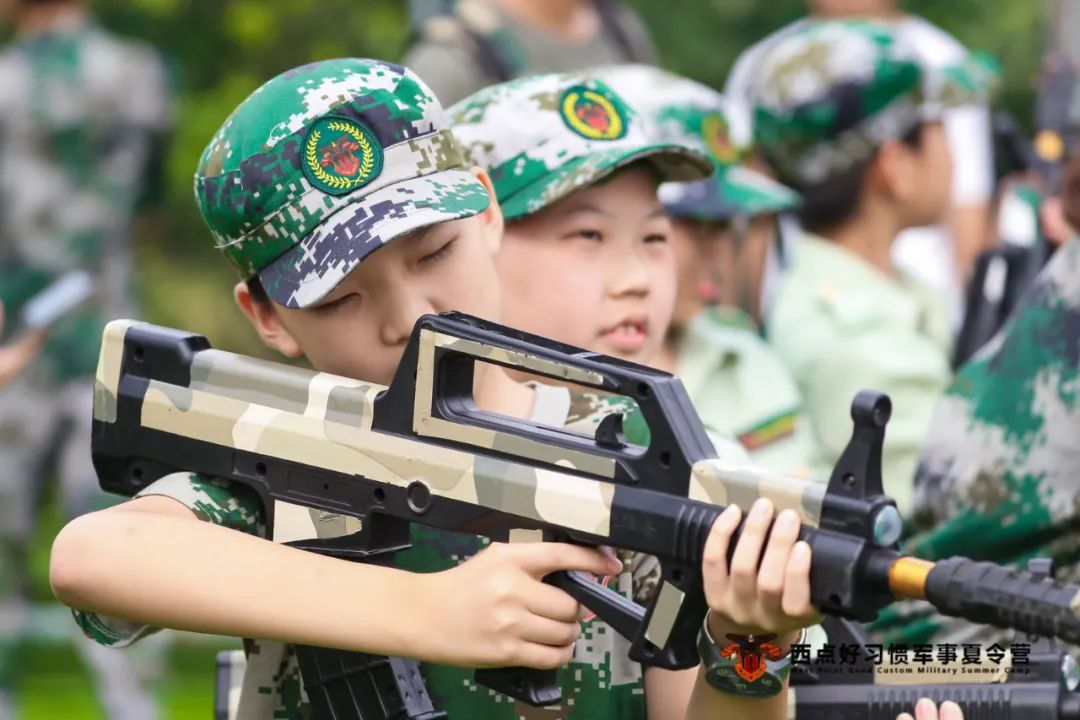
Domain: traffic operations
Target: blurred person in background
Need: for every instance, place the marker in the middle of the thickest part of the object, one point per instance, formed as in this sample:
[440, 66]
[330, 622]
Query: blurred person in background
[465, 45]
[847, 116]
[940, 255]
[721, 234]
[82, 117]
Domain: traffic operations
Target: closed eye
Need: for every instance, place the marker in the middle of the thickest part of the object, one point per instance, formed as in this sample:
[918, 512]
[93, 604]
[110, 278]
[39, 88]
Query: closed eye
[594, 235]
[439, 254]
[336, 304]
[656, 238]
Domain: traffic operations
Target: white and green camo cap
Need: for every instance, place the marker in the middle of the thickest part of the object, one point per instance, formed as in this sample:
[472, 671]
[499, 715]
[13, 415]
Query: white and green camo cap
[828, 96]
[680, 110]
[541, 138]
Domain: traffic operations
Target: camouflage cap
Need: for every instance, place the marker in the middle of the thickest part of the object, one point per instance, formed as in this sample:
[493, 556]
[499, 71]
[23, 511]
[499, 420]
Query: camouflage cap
[828, 96]
[679, 110]
[324, 164]
[543, 137]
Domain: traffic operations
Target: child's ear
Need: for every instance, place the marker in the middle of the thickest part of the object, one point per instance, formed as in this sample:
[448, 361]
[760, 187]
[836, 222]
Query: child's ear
[894, 169]
[265, 320]
[492, 217]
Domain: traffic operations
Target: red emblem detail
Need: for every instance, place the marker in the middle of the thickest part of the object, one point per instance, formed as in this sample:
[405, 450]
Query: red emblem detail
[341, 153]
[721, 144]
[751, 655]
[593, 115]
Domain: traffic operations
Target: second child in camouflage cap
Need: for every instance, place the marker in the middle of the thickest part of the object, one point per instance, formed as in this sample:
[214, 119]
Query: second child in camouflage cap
[737, 383]
[728, 218]
[576, 171]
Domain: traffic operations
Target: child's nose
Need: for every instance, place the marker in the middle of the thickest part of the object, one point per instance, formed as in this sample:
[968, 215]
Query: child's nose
[400, 317]
[628, 274]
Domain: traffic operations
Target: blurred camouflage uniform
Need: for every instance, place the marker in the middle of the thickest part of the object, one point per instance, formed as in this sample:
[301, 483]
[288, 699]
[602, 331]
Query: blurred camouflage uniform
[739, 386]
[1002, 458]
[827, 98]
[314, 171]
[924, 252]
[81, 115]
[476, 43]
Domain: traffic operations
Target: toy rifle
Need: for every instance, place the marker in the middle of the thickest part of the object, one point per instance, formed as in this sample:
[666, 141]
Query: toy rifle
[421, 451]
[1042, 688]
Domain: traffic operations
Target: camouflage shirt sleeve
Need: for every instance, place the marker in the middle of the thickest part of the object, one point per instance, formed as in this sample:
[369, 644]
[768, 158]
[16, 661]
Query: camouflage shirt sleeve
[212, 500]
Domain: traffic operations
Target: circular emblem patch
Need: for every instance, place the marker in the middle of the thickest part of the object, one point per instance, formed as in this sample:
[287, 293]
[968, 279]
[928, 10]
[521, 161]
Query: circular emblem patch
[714, 129]
[340, 155]
[592, 114]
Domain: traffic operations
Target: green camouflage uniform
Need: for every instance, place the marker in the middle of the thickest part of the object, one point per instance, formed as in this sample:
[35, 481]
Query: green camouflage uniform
[1002, 459]
[838, 323]
[315, 170]
[739, 386]
[81, 113]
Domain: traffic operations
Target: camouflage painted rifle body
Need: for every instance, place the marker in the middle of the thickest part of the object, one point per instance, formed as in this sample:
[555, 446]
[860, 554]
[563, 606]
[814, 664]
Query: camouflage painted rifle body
[421, 451]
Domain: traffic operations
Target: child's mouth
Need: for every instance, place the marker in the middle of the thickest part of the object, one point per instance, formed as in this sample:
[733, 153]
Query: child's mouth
[628, 336]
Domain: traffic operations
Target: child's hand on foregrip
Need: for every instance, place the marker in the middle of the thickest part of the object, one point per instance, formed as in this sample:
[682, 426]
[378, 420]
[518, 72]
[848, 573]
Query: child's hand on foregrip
[767, 587]
[494, 610]
[926, 710]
